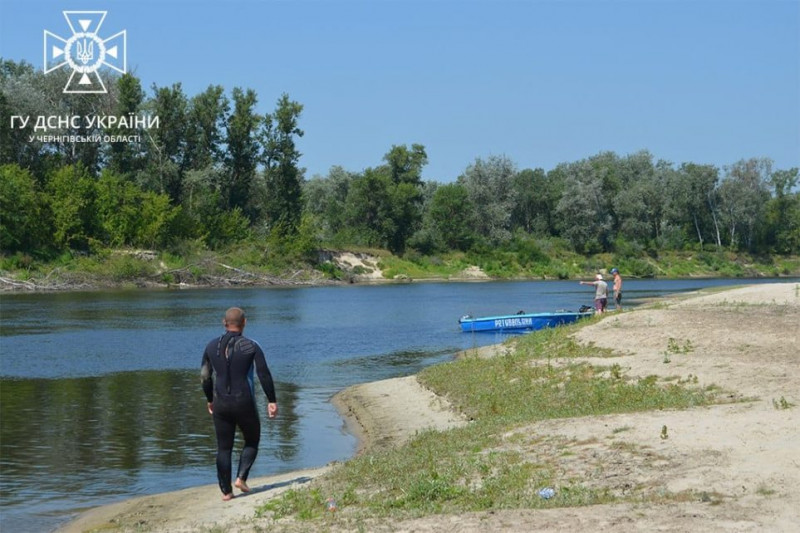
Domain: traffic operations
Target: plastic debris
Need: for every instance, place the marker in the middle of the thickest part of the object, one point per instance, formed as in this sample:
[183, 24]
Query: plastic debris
[547, 493]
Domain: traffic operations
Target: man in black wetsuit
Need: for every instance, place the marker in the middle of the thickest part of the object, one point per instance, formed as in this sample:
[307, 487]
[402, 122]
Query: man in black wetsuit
[231, 401]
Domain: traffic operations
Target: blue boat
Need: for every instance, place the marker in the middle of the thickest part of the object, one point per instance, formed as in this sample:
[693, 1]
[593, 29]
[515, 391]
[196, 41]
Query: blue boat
[521, 321]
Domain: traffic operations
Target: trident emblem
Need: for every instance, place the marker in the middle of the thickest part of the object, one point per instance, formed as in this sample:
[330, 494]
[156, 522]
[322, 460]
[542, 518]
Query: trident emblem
[85, 51]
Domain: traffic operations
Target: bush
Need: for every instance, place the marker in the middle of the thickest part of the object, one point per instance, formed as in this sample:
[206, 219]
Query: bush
[672, 238]
[529, 253]
[22, 214]
[330, 270]
[592, 246]
[128, 268]
[18, 261]
[638, 268]
[285, 249]
[625, 248]
[226, 227]
[425, 242]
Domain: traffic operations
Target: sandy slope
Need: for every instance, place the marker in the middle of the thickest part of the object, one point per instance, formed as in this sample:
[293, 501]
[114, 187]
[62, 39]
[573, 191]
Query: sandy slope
[387, 413]
[742, 459]
[189, 510]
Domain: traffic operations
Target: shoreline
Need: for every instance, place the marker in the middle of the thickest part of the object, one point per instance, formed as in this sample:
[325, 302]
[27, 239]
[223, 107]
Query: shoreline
[10, 286]
[380, 414]
[14, 288]
[187, 509]
[387, 413]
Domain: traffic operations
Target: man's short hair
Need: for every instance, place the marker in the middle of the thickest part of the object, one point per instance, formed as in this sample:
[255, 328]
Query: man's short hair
[235, 317]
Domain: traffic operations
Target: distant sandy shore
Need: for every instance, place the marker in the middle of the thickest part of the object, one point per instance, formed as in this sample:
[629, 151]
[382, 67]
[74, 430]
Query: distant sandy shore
[745, 456]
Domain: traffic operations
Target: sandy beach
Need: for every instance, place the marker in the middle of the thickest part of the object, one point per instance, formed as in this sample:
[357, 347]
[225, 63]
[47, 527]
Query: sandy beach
[744, 455]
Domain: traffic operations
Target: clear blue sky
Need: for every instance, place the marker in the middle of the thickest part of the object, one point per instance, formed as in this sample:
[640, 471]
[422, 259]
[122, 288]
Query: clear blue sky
[542, 82]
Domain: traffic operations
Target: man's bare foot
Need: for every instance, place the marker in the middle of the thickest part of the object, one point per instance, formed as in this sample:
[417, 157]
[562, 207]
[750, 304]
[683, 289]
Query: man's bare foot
[227, 497]
[241, 485]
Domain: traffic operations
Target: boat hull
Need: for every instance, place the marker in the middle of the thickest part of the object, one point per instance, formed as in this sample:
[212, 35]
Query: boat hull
[520, 322]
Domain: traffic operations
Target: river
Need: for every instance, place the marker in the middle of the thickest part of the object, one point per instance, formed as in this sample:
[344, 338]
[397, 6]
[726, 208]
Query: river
[100, 395]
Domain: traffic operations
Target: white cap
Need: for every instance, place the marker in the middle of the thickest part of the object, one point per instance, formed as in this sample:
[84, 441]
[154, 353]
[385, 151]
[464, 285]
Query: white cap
[598, 277]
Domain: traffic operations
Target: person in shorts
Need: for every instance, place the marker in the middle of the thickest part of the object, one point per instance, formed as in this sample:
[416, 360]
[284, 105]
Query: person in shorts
[600, 293]
[617, 289]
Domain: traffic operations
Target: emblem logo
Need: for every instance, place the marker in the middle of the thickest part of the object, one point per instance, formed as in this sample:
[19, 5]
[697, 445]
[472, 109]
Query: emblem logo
[85, 52]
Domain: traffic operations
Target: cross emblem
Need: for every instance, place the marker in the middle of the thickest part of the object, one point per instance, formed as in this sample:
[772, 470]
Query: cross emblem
[85, 52]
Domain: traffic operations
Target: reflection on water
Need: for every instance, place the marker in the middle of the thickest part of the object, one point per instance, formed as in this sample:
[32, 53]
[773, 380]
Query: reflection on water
[76, 310]
[116, 435]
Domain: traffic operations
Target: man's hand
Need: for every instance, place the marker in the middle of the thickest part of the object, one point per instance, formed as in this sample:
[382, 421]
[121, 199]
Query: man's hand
[272, 410]
[211, 408]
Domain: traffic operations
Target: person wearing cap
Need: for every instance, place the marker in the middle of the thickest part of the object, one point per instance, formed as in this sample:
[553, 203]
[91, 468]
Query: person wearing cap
[617, 289]
[600, 292]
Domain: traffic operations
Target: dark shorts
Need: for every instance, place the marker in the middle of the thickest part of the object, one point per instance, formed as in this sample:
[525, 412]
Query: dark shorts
[618, 297]
[600, 304]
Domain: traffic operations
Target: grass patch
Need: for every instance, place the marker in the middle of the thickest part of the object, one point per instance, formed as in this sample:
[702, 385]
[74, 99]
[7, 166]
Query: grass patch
[675, 347]
[765, 490]
[461, 470]
[514, 391]
[493, 462]
[415, 266]
[782, 404]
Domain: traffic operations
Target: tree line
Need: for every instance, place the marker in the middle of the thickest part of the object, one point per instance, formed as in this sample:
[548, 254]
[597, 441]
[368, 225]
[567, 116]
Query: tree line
[216, 171]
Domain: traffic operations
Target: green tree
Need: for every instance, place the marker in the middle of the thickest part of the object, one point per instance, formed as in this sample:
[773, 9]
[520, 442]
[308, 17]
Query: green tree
[167, 144]
[22, 221]
[404, 200]
[584, 216]
[744, 195]
[534, 202]
[18, 97]
[692, 202]
[71, 197]
[129, 216]
[202, 187]
[639, 207]
[23, 94]
[125, 157]
[404, 166]
[118, 209]
[205, 132]
[283, 204]
[324, 199]
[225, 227]
[368, 209]
[243, 152]
[155, 224]
[783, 213]
[449, 216]
[205, 213]
[489, 185]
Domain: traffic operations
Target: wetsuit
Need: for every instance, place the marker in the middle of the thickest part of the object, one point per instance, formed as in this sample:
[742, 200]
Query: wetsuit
[232, 358]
